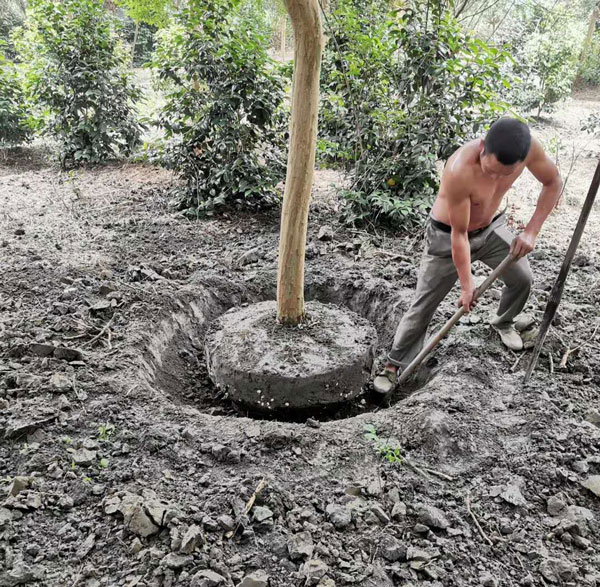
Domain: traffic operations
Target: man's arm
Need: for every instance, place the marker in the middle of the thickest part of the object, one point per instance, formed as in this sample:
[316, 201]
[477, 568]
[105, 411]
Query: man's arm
[459, 211]
[544, 170]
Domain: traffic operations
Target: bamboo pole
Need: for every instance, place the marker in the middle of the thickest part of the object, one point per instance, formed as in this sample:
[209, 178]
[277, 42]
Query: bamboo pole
[559, 284]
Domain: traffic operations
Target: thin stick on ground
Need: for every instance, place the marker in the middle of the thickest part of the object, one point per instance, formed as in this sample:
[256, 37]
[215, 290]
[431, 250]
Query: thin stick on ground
[249, 504]
[470, 511]
[557, 290]
[101, 333]
[516, 363]
[438, 474]
[570, 351]
[416, 469]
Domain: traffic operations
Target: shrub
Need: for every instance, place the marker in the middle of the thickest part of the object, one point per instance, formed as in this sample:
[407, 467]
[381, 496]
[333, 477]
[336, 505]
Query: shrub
[14, 119]
[76, 76]
[592, 123]
[223, 116]
[589, 70]
[546, 50]
[12, 15]
[400, 91]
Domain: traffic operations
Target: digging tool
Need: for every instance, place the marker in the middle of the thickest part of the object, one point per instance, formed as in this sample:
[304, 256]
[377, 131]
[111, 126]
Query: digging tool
[559, 284]
[434, 340]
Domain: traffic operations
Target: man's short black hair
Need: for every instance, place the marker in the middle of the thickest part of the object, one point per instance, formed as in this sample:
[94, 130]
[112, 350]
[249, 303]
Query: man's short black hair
[509, 139]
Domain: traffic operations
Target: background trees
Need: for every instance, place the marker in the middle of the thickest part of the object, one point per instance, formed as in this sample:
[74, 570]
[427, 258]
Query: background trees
[223, 117]
[402, 84]
[15, 126]
[76, 79]
[400, 90]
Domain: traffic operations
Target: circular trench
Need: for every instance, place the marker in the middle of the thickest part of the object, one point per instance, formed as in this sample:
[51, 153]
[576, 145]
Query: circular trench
[174, 358]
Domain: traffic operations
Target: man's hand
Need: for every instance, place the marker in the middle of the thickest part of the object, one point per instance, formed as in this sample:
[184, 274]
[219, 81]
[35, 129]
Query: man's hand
[467, 298]
[523, 244]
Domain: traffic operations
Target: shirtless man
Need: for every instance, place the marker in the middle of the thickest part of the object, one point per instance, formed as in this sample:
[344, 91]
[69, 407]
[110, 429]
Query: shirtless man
[465, 227]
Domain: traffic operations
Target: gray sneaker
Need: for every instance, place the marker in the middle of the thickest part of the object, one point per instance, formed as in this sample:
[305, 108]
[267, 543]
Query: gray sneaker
[509, 336]
[385, 382]
[524, 322]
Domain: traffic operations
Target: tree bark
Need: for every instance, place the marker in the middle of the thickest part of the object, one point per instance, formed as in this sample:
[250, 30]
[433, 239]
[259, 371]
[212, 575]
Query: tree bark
[308, 45]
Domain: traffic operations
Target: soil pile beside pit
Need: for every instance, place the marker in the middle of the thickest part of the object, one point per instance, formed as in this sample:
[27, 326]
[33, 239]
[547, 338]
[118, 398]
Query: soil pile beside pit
[268, 366]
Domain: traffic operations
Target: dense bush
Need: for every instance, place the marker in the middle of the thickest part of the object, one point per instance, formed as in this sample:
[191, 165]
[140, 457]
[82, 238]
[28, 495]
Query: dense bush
[545, 46]
[223, 114]
[76, 76]
[589, 70]
[12, 15]
[401, 90]
[14, 120]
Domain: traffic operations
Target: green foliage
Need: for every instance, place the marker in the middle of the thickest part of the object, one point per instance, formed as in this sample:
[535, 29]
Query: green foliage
[152, 12]
[401, 90]
[392, 454]
[146, 16]
[105, 431]
[223, 115]
[546, 47]
[76, 77]
[12, 15]
[592, 123]
[589, 70]
[15, 125]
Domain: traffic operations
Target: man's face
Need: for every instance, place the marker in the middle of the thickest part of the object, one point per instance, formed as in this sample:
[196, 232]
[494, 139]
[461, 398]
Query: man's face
[492, 167]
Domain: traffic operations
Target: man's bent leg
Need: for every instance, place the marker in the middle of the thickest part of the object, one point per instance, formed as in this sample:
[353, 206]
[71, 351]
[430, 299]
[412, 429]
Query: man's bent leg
[437, 275]
[517, 278]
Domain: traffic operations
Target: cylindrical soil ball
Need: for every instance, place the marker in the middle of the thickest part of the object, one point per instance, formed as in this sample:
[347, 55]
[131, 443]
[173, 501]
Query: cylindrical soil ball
[269, 366]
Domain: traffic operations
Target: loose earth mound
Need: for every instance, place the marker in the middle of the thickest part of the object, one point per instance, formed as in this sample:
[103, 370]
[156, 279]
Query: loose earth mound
[268, 366]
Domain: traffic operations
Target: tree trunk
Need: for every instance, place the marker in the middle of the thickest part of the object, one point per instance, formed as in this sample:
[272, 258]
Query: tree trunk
[308, 44]
[590, 34]
[135, 39]
[282, 34]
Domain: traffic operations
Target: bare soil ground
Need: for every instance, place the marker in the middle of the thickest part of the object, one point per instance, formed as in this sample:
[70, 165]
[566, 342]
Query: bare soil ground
[132, 470]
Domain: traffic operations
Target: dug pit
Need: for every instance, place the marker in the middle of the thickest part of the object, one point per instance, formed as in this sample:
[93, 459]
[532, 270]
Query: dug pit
[325, 360]
[174, 361]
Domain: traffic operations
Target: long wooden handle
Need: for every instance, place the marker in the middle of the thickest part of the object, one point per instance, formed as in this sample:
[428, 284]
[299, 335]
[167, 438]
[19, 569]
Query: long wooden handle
[434, 340]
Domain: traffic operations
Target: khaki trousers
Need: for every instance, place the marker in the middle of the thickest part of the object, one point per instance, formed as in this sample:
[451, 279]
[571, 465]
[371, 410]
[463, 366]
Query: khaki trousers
[437, 276]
